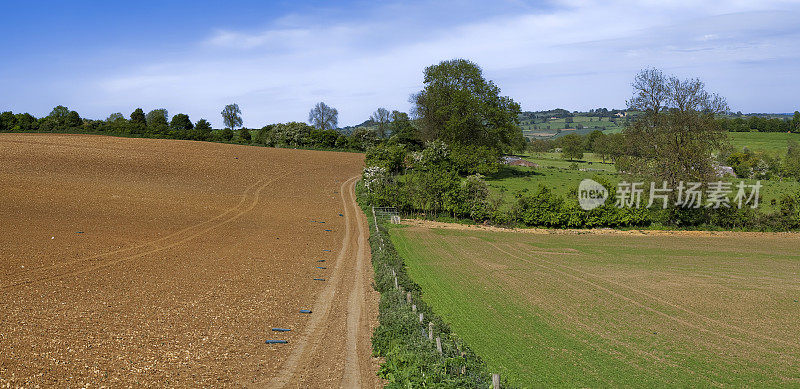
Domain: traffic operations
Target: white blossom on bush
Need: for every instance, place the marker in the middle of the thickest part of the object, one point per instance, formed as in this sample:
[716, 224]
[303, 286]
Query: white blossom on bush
[375, 176]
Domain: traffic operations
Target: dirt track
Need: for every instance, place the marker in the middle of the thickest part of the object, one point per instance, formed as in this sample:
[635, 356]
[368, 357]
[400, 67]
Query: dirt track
[166, 263]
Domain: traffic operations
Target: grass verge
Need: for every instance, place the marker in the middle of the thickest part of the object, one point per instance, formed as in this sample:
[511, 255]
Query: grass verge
[411, 358]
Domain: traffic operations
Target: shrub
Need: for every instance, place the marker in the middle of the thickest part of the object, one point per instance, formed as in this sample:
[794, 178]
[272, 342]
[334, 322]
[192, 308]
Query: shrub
[387, 156]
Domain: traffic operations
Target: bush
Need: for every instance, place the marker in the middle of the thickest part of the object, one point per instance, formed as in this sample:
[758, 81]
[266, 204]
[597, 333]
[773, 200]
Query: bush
[474, 160]
[386, 156]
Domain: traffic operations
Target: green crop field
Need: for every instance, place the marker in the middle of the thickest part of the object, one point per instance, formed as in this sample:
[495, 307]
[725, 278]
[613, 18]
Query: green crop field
[774, 143]
[617, 309]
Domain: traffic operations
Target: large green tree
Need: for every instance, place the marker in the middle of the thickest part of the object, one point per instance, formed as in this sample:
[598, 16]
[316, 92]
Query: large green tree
[59, 112]
[323, 117]
[232, 116]
[459, 106]
[157, 118]
[7, 121]
[675, 137]
[403, 130]
[181, 123]
[203, 130]
[73, 120]
[572, 147]
[381, 118]
[138, 118]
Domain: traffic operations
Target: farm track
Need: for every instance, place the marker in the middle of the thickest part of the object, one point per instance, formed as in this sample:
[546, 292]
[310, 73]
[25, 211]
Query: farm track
[342, 298]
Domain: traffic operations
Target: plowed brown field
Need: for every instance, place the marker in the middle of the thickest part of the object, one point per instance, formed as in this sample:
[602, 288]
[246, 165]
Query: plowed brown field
[134, 262]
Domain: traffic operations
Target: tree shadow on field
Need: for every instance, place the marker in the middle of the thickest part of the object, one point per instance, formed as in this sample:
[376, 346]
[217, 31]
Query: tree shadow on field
[514, 172]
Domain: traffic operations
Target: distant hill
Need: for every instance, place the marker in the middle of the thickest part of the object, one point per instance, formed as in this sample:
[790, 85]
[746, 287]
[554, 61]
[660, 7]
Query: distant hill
[369, 123]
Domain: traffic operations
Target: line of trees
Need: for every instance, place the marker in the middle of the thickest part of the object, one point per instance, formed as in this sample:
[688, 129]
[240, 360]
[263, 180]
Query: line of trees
[320, 133]
[761, 124]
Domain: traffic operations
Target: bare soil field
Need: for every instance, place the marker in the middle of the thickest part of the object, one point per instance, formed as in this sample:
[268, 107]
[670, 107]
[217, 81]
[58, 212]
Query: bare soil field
[135, 262]
[616, 309]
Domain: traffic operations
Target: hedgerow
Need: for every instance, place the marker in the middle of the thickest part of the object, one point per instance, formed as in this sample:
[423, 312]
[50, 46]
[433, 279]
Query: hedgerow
[411, 360]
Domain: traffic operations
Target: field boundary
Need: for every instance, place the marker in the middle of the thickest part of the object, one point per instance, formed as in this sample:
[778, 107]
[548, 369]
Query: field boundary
[596, 231]
[418, 346]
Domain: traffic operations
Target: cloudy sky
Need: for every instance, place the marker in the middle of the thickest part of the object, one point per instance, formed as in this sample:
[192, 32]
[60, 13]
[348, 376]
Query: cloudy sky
[276, 59]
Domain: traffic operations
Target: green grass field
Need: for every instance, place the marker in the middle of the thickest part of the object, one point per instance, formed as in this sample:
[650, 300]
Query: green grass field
[549, 128]
[773, 143]
[555, 174]
[611, 310]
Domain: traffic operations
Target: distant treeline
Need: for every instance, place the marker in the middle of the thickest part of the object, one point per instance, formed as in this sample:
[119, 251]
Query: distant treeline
[761, 124]
[560, 113]
[157, 124]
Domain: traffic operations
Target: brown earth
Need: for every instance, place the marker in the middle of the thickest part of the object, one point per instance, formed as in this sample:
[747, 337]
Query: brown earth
[134, 262]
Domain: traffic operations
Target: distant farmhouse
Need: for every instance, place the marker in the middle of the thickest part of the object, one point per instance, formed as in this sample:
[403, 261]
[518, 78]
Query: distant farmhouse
[517, 161]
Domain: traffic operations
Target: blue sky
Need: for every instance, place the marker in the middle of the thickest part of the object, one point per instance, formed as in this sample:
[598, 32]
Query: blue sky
[276, 59]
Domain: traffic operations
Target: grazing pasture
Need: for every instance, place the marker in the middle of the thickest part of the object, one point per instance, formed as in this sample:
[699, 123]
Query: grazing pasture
[773, 143]
[581, 309]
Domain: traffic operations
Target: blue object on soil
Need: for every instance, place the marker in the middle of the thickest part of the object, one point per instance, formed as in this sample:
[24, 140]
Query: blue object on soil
[281, 329]
[274, 341]
[305, 311]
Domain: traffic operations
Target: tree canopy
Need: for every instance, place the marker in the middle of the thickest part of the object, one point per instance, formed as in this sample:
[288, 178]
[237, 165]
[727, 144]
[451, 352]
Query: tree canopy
[157, 118]
[459, 106]
[323, 117]
[381, 118]
[181, 122]
[232, 116]
[675, 137]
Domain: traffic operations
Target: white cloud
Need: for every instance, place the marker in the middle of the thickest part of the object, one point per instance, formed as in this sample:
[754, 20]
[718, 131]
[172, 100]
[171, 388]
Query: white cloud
[578, 55]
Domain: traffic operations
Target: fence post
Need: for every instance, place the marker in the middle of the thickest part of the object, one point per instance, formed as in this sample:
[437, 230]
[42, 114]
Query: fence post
[414, 308]
[439, 344]
[375, 219]
[430, 330]
[408, 297]
[496, 381]
[421, 318]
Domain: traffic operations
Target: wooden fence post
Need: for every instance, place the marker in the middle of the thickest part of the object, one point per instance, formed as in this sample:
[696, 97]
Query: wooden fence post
[430, 330]
[496, 381]
[375, 220]
[439, 344]
[414, 308]
[408, 297]
[420, 318]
